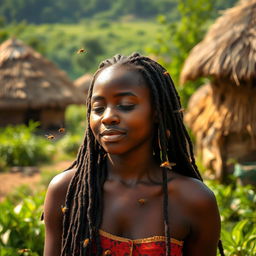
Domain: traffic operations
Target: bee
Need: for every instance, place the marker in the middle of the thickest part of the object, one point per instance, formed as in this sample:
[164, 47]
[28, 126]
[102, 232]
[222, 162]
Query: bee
[142, 201]
[61, 130]
[64, 209]
[86, 242]
[107, 252]
[50, 137]
[80, 51]
[166, 73]
[23, 251]
[167, 164]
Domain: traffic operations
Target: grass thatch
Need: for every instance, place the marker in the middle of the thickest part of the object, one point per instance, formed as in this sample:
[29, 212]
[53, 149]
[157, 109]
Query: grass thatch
[224, 122]
[228, 50]
[209, 108]
[83, 82]
[27, 79]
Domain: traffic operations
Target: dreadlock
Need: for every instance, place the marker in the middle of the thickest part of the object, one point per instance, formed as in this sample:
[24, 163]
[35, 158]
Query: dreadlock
[84, 199]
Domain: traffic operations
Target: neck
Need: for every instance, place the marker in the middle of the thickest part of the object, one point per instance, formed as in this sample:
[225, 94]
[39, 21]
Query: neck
[131, 168]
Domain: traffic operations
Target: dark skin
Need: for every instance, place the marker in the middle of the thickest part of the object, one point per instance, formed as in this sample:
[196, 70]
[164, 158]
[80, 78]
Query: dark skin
[123, 121]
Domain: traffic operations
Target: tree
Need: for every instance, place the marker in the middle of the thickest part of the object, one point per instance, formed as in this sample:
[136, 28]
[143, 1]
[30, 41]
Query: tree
[179, 37]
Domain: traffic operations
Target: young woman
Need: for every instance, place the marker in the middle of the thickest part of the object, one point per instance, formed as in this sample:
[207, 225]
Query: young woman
[134, 188]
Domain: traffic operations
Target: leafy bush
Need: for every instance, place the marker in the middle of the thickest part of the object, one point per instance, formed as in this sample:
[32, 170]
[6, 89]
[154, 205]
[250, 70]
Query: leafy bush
[20, 225]
[70, 143]
[235, 202]
[21, 147]
[76, 119]
[240, 240]
[237, 206]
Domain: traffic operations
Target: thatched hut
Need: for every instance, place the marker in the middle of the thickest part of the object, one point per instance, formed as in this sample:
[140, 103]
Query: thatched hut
[83, 82]
[32, 87]
[222, 114]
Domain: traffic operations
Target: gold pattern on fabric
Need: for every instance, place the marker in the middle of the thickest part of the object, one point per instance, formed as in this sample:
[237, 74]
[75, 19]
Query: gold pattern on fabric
[139, 241]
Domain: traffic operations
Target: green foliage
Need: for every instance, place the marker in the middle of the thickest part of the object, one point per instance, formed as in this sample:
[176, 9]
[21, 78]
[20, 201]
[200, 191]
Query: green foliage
[75, 119]
[94, 48]
[20, 225]
[70, 143]
[21, 147]
[236, 202]
[72, 11]
[241, 239]
[60, 42]
[35, 11]
[75, 129]
[237, 206]
[179, 37]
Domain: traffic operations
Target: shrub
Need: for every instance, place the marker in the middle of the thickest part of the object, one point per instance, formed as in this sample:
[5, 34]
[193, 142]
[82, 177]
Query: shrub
[76, 119]
[21, 147]
[240, 240]
[70, 143]
[20, 225]
[235, 202]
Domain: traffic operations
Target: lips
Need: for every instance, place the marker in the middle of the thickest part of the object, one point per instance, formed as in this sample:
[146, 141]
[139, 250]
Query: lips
[112, 135]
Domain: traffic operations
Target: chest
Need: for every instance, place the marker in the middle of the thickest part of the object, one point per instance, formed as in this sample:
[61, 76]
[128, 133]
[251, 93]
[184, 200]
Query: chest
[138, 212]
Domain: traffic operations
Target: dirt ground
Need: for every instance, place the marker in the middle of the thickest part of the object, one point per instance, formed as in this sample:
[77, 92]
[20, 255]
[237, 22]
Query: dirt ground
[9, 181]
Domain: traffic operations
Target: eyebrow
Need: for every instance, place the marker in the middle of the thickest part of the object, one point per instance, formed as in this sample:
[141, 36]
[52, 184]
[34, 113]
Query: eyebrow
[120, 94]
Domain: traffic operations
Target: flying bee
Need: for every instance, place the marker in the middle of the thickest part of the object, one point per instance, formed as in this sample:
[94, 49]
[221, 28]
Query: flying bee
[86, 242]
[167, 164]
[142, 201]
[50, 137]
[64, 209]
[61, 130]
[80, 51]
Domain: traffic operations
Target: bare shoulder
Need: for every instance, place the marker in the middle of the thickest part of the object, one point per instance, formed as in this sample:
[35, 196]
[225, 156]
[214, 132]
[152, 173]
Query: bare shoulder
[194, 194]
[60, 182]
[199, 208]
[53, 216]
[57, 190]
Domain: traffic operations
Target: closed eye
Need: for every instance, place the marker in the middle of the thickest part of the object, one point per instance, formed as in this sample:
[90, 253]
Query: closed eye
[98, 110]
[126, 107]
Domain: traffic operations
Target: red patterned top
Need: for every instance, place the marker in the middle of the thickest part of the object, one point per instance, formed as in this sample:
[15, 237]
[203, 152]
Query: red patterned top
[152, 246]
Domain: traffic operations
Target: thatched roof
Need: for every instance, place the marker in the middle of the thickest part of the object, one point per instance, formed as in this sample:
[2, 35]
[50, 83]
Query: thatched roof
[229, 48]
[224, 128]
[209, 111]
[83, 82]
[27, 79]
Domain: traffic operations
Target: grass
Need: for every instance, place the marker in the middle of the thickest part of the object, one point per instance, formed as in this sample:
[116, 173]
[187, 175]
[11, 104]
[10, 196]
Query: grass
[101, 39]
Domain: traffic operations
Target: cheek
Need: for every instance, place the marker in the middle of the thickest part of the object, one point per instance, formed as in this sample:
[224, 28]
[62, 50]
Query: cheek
[94, 125]
[142, 122]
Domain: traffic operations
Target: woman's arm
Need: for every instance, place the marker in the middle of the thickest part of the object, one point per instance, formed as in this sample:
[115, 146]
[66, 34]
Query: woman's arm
[205, 222]
[53, 216]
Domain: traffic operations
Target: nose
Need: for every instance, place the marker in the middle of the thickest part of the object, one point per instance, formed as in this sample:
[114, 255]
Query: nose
[110, 117]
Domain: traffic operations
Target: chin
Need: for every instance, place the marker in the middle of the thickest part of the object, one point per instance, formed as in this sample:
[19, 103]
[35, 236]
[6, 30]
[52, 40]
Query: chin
[114, 150]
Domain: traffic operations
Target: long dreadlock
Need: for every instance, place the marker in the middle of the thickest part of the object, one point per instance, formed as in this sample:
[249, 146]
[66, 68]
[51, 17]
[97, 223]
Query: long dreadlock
[84, 199]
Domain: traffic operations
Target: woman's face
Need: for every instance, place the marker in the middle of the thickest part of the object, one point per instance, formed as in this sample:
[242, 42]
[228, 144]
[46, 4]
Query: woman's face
[122, 117]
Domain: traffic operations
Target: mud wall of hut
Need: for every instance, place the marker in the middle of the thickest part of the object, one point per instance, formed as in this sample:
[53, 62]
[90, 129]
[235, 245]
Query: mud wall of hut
[52, 118]
[49, 118]
[14, 117]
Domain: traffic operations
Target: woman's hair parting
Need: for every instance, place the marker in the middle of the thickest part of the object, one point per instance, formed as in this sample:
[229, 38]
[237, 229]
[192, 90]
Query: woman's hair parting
[172, 147]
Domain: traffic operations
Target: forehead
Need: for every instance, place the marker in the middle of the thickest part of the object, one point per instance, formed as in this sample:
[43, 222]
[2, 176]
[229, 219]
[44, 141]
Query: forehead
[117, 79]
